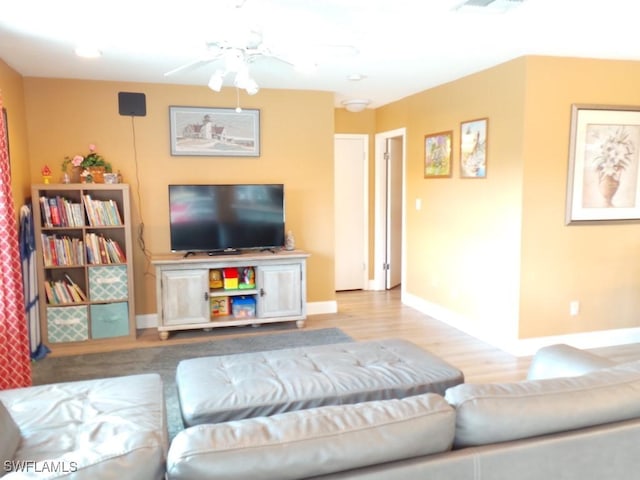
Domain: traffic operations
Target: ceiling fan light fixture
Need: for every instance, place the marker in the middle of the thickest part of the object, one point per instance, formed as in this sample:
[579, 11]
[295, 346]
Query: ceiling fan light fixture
[215, 82]
[88, 51]
[355, 105]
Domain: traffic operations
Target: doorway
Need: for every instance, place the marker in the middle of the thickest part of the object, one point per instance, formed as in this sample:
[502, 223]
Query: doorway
[389, 209]
[351, 155]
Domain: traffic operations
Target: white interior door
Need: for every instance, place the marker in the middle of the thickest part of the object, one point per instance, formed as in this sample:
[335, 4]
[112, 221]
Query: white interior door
[394, 213]
[351, 154]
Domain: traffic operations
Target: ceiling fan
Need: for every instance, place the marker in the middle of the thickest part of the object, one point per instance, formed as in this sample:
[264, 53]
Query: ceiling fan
[234, 58]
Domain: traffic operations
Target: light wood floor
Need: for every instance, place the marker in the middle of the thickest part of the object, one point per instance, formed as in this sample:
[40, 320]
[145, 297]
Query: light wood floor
[367, 315]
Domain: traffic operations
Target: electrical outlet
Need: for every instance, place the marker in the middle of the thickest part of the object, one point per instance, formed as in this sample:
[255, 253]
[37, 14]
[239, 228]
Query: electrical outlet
[574, 308]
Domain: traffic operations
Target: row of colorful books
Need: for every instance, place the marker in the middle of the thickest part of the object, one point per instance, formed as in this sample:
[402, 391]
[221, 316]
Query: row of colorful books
[102, 212]
[102, 250]
[63, 291]
[62, 250]
[61, 212]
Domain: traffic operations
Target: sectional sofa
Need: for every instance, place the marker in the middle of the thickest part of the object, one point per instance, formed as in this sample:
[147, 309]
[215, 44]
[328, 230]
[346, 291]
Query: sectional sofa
[577, 416]
[584, 424]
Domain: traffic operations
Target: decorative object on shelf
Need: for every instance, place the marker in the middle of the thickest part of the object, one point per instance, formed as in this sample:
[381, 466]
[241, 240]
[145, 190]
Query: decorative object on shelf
[473, 148]
[437, 154]
[214, 132]
[604, 163]
[289, 241]
[87, 169]
[46, 174]
[110, 178]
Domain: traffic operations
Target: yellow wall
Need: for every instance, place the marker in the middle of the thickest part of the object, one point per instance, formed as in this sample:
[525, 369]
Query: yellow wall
[597, 264]
[297, 127]
[496, 252]
[463, 246]
[12, 92]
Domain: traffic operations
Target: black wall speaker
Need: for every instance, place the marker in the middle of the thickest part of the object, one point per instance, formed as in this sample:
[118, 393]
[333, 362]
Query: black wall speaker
[132, 104]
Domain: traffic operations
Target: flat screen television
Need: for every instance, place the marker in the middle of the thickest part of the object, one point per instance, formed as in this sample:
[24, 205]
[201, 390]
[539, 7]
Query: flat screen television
[226, 218]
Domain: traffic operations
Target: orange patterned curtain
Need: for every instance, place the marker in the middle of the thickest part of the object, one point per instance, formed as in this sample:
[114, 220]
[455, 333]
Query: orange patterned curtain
[15, 366]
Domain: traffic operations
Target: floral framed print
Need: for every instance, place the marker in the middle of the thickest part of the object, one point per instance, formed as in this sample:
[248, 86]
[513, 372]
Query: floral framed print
[473, 148]
[604, 149]
[437, 154]
[214, 132]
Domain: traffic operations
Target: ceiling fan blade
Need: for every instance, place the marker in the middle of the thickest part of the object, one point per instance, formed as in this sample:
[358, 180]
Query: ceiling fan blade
[188, 66]
[214, 52]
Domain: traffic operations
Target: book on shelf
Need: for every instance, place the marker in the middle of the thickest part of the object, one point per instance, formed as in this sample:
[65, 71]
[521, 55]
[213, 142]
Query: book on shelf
[60, 212]
[102, 212]
[63, 291]
[101, 250]
[62, 250]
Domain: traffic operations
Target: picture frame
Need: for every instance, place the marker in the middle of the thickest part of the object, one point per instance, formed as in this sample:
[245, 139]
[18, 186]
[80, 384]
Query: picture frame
[473, 148]
[437, 154]
[214, 132]
[603, 167]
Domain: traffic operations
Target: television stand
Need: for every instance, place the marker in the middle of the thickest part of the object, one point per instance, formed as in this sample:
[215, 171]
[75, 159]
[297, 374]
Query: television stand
[187, 300]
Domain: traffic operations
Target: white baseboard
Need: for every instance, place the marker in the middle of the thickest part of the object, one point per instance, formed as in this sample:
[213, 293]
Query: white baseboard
[522, 347]
[147, 321]
[319, 308]
[313, 308]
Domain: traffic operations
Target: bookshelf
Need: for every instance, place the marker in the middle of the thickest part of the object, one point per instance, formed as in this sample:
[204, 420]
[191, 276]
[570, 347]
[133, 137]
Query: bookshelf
[84, 257]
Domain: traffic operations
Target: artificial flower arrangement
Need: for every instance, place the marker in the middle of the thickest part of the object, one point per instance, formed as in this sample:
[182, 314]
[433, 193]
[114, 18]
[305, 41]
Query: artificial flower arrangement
[92, 159]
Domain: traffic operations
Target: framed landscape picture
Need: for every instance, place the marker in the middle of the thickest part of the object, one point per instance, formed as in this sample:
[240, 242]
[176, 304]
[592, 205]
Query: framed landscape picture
[473, 148]
[437, 154]
[214, 132]
[604, 153]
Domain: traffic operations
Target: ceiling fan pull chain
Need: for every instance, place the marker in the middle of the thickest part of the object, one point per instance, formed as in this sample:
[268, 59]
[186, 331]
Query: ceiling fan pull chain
[238, 109]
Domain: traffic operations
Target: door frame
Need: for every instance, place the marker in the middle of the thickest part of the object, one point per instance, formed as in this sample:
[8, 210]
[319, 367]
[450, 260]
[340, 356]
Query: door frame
[380, 220]
[365, 200]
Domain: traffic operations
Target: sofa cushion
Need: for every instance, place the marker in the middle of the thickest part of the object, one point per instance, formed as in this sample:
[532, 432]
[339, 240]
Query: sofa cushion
[312, 442]
[9, 439]
[103, 428]
[490, 413]
[258, 384]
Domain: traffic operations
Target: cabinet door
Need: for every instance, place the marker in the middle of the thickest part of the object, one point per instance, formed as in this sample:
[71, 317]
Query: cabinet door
[280, 290]
[185, 296]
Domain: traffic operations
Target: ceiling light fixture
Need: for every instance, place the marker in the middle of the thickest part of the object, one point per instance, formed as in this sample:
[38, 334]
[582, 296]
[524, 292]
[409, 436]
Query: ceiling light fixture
[88, 51]
[356, 105]
[236, 63]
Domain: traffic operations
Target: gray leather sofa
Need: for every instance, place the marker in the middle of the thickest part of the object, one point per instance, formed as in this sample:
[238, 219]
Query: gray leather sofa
[577, 416]
[110, 428]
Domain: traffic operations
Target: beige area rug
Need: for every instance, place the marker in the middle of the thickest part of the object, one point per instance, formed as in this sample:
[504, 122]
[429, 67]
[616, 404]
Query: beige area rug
[163, 360]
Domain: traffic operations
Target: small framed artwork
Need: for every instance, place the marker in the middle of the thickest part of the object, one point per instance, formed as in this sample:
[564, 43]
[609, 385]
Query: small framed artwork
[473, 148]
[214, 132]
[437, 154]
[604, 152]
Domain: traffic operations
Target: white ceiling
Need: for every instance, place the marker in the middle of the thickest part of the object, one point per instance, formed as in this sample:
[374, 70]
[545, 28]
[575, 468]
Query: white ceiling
[403, 46]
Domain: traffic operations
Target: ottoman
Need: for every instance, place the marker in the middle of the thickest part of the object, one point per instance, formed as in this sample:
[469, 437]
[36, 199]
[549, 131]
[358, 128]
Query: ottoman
[233, 387]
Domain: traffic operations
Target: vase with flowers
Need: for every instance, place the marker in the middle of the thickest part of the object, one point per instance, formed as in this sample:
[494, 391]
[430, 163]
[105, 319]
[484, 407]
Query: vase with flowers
[614, 155]
[87, 169]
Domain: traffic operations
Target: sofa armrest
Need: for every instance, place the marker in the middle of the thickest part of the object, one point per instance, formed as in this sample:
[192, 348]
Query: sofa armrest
[565, 361]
